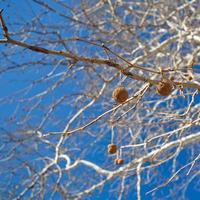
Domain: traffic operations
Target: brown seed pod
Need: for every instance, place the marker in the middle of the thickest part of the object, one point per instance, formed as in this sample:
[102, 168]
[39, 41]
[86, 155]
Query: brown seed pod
[120, 94]
[112, 148]
[119, 161]
[190, 78]
[172, 78]
[165, 88]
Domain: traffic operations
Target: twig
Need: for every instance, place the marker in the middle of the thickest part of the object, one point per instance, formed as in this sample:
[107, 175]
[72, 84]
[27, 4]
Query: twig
[131, 65]
[172, 177]
[192, 164]
[5, 29]
[139, 181]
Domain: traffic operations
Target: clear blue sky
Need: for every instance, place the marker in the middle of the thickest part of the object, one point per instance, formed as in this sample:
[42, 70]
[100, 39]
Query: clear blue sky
[20, 12]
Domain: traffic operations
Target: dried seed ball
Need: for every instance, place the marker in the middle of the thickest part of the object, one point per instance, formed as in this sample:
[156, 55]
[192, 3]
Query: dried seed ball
[120, 94]
[112, 148]
[172, 78]
[119, 161]
[164, 88]
[190, 78]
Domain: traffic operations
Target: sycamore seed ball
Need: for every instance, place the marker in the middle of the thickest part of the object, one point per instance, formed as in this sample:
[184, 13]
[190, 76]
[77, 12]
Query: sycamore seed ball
[164, 88]
[119, 161]
[120, 94]
[112, 148]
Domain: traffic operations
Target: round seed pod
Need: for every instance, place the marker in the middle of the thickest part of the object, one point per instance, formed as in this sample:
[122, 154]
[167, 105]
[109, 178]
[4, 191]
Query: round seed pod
[164, 88]
[112, 148]
[172, 78]
[120, 94]
[190, 78]
[119, 161]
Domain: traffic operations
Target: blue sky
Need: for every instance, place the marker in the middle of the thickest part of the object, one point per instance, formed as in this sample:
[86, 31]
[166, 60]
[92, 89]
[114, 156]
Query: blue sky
[31, 73]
